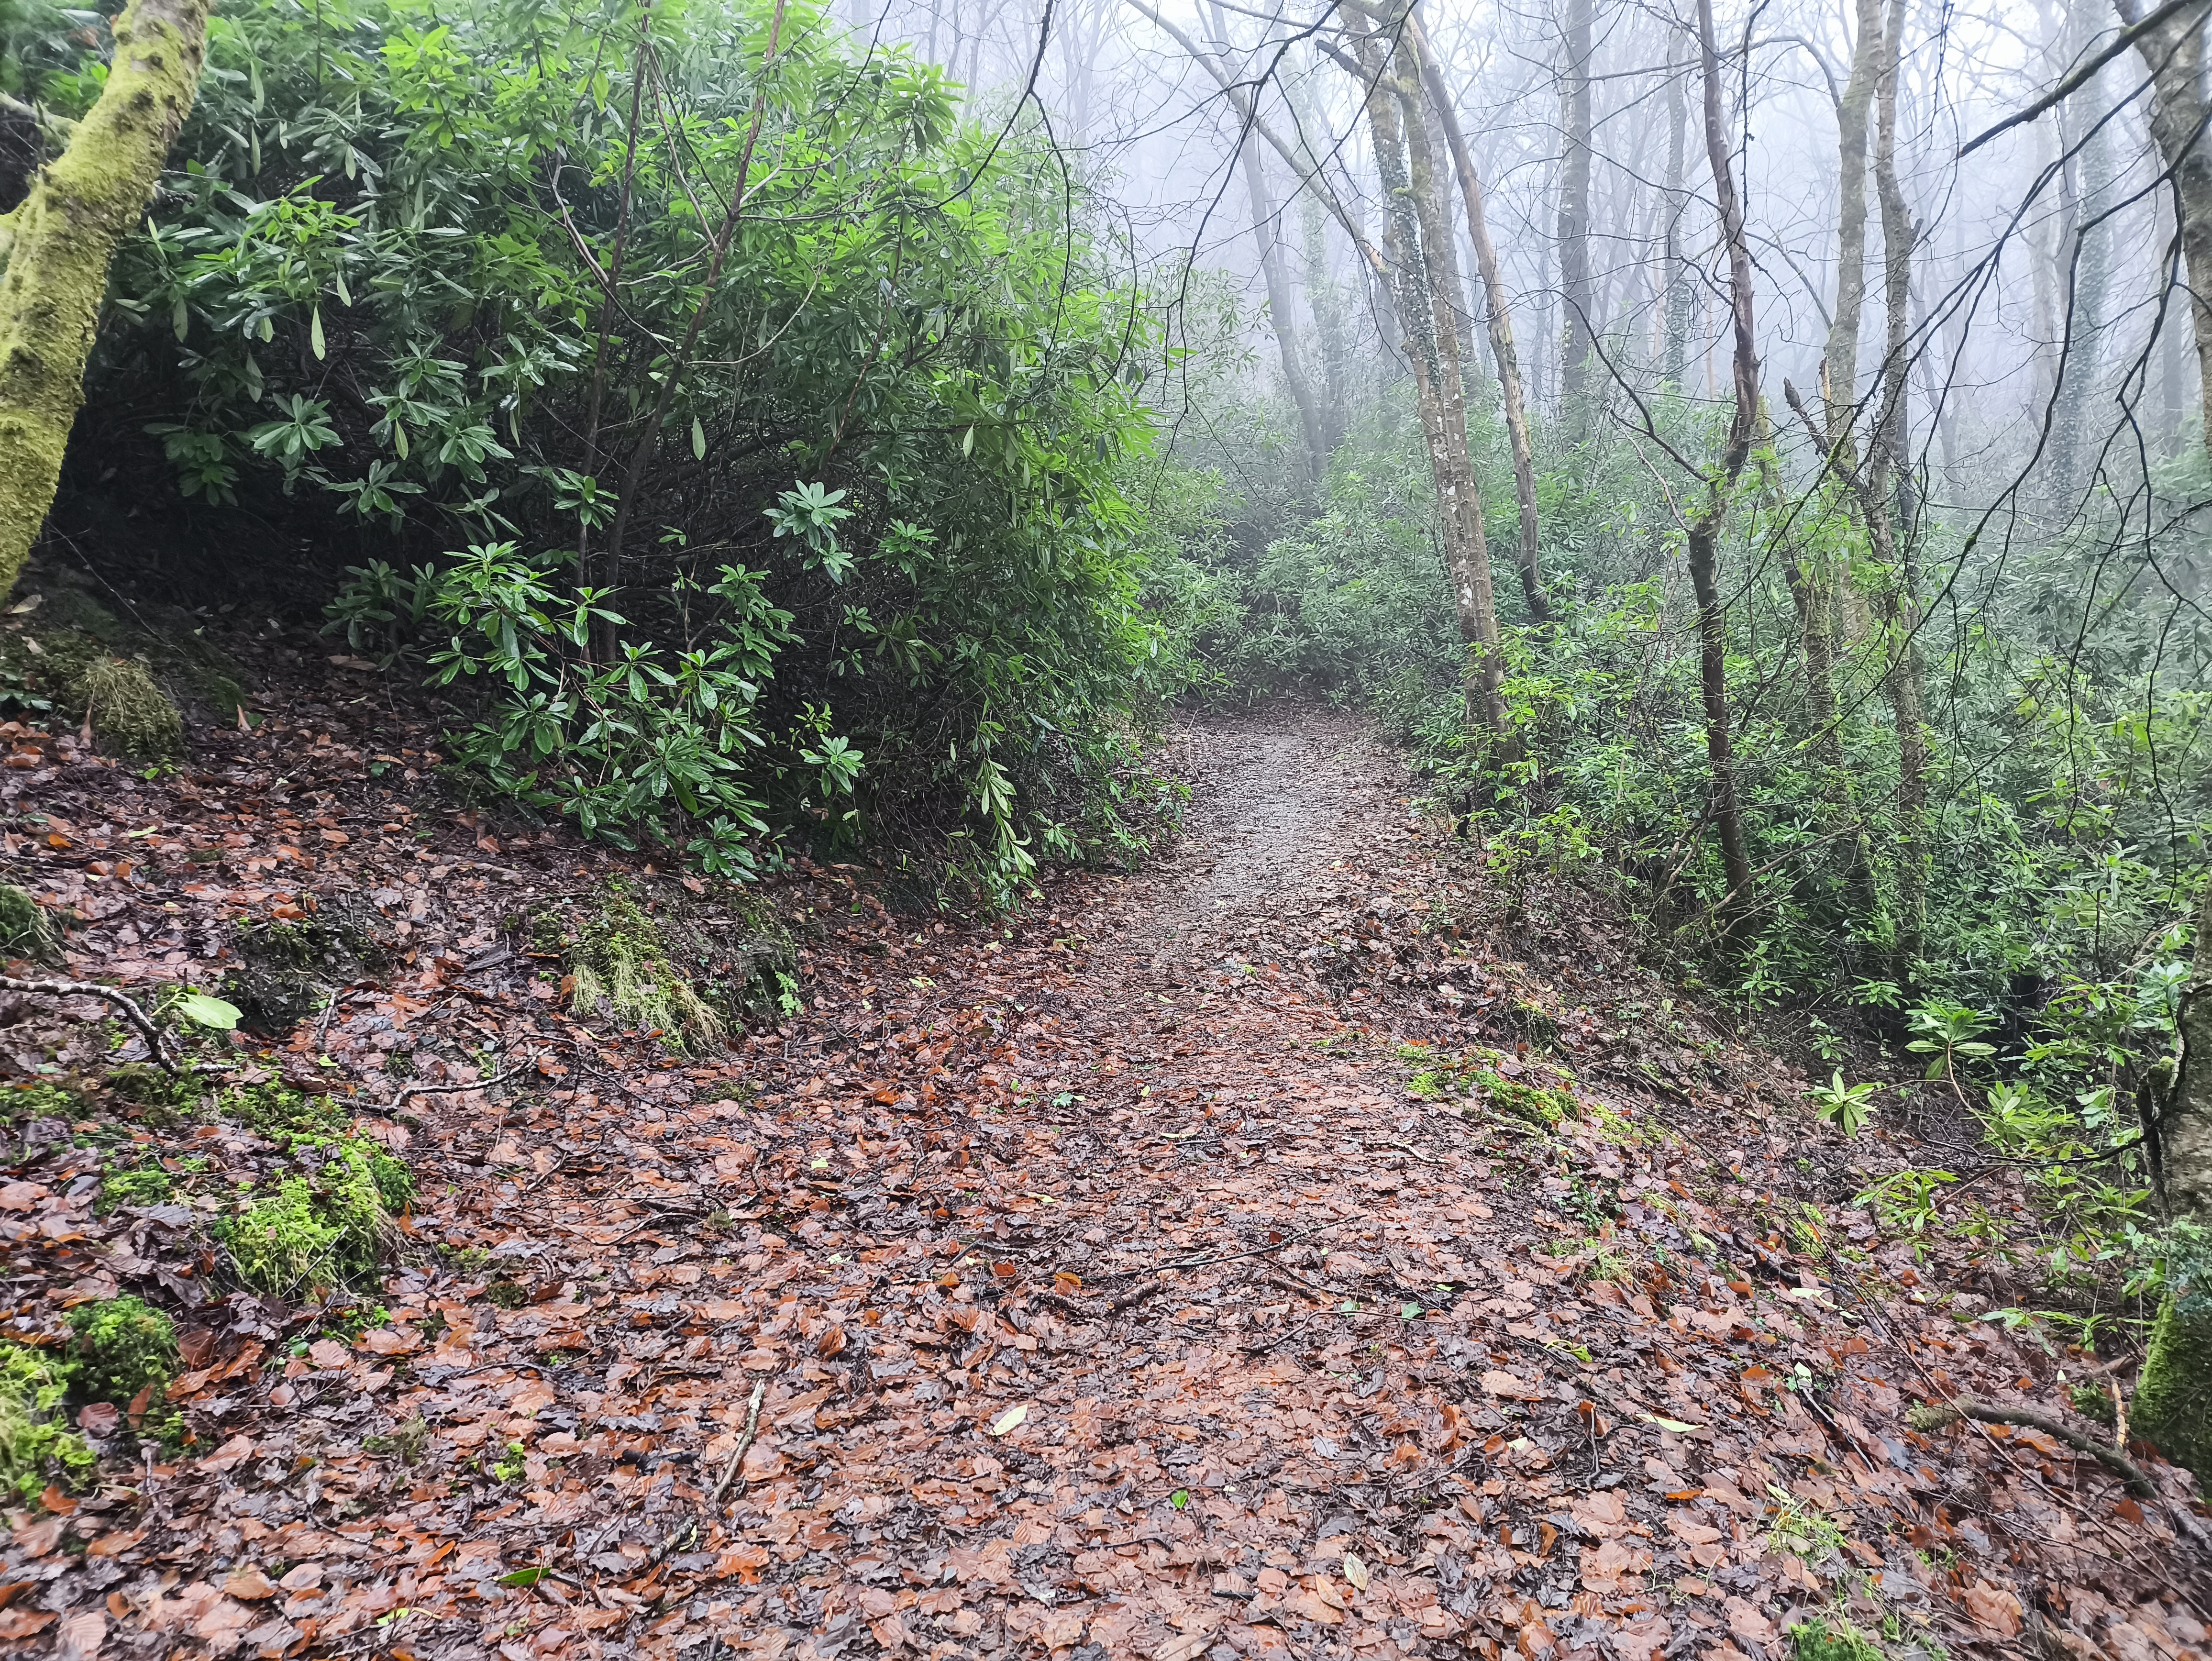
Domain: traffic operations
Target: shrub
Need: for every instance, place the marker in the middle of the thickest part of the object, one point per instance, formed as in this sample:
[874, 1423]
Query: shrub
[905, 453]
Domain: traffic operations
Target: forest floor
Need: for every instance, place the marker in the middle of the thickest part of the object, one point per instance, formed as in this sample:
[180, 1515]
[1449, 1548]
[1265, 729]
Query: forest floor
[1295, 1248]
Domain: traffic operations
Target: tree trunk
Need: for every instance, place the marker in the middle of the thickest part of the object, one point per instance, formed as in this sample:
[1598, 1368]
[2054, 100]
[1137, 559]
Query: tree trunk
[1526, 554]
[1280, 312]
[1892, 468]
[1680, 291]
[1707, 522]
[2172, 1404]
[1839, 395]
[1407, 201]
[57, 244]
[1474, 599]
[1577, 331]
[2174, 53]
[1815, 581]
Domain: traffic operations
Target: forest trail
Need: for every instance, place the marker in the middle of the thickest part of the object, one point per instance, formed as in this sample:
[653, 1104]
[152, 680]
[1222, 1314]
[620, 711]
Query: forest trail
[1279, 1250]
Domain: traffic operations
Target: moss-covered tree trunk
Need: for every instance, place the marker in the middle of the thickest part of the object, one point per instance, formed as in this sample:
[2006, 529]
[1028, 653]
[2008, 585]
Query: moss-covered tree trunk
[2173, 1399]
[57, 244]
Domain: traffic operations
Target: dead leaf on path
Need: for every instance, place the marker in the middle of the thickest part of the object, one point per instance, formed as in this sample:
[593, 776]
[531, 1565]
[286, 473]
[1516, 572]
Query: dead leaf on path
[18, 1624]
[1747, 1623]
[1009, 1420]
[1993, 1608]
[230, 1455]
[1512, 1389]
[251, 1585]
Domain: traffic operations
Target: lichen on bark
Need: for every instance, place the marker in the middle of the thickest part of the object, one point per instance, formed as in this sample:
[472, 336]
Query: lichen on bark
[2173, 1402]
[57, 243]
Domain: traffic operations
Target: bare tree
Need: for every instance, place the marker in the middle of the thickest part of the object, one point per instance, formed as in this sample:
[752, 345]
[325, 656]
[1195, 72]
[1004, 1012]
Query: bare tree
[1705, 521]
[1499, 311]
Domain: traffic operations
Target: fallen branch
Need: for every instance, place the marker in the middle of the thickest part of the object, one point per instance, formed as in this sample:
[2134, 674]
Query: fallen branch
[745, 1442]
[131, 1013]
[1965, 1407]
[398, 1101]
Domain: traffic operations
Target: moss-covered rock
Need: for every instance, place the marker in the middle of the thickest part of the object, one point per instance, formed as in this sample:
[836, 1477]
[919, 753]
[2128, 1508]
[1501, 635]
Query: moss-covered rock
[2172, 1404]
[26, 931]
[128, 712]
[123, 1346]
[623, 962]
[326, 1229]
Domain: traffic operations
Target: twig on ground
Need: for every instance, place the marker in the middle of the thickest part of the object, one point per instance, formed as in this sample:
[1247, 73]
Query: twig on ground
[131, 1013]
[1131, 1300]
[745, 1442]
[1222, 1257]
[1937, 1417]
[407, 1090]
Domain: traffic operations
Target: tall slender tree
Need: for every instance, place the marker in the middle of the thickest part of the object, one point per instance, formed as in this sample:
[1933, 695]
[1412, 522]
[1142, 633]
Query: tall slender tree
[1707, 518]
[1498, 310]
[1577, 337]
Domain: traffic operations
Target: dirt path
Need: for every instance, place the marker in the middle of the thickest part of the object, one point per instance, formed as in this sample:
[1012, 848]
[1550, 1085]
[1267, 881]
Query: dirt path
[1240, 1257]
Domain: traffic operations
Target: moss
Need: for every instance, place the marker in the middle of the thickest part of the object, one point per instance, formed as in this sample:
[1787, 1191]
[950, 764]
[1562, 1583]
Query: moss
[281, 1113]
[147, 1186]
[1543, 1108]
[2172, 1404]
[125, 1346]
[40, 1101]
[25, 930]
[128, 711]
[622, 958]
[37, 1447]
[329, 1229]
[154, 1098]
[1816, 1641]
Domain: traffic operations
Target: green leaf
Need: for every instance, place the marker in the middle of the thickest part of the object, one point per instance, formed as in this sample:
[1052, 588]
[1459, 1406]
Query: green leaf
[968, 441]
[1674, 1425]
[180, 320]
[1179, 1499]
[204, 1011]
[698, 440]
[523, 1577]
[315, 331]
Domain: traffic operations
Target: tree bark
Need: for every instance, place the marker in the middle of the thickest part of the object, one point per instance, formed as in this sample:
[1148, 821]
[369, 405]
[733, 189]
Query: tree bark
[1526, 550]
[1576, 332]
[1840, 364]
[57, 244]
[1888, 515]
[2174, 53]
[1706, 522]
[2172, 1404]
[1679, 290]
[1408, 199]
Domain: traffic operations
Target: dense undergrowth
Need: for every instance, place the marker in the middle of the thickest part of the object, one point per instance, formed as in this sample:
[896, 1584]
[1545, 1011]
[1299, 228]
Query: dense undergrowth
[748, 461]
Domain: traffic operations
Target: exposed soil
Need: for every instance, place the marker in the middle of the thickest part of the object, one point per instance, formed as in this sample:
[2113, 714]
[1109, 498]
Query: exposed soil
[1284, 1250]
